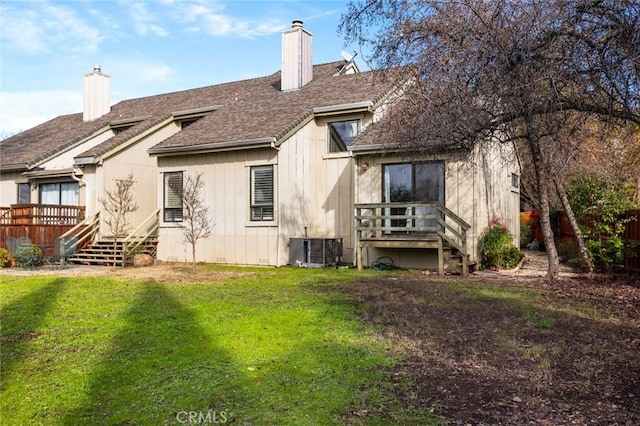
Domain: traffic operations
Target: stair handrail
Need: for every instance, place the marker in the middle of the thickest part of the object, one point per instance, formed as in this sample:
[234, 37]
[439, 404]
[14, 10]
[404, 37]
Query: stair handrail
[460, 232]
[88, 228]
[136, 237]
[373, 221]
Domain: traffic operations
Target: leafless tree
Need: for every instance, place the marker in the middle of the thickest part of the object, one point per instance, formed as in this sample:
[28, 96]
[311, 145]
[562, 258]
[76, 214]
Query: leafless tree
[512, 70]
[118, 203]
[197, 221]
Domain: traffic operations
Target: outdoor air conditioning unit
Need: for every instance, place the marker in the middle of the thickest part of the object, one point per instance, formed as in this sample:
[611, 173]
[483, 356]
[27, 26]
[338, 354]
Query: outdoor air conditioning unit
[315, 252]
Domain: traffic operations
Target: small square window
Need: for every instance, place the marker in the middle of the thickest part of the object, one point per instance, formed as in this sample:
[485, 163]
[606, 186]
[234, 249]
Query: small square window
[342, 134]
[515, 181]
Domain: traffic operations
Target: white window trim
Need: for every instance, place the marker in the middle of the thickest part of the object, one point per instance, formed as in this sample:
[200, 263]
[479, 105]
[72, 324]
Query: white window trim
[261, 223]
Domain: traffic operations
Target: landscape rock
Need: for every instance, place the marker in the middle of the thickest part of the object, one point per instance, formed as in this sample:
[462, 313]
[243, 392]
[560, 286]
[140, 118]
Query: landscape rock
[141, 260]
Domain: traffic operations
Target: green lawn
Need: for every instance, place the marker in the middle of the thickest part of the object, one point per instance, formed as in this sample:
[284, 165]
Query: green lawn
[262, 347]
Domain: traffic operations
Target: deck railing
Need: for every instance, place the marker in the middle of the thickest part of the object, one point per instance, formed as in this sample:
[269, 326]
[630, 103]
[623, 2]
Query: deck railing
[147, 230]
[81, 234]
[410, 222]
[41, 214]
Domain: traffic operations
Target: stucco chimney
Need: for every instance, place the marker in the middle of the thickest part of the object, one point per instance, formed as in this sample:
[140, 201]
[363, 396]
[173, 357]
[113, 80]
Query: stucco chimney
[297, 65]
[96, 95]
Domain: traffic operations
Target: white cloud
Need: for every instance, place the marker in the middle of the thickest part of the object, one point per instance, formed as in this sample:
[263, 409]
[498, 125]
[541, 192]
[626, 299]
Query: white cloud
[47, 28]
[23, 110]
[208, 18]
[143, 21]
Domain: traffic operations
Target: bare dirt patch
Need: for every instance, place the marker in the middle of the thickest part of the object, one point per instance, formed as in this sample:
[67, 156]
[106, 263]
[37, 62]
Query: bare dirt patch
[558, 354]
[162, 272]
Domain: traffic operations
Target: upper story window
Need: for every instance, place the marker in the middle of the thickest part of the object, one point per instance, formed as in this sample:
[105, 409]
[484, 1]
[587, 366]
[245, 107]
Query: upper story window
[515, 181]
[186, 118]
[341, 134]
[262, 193]
[61, 193]
[188, 122]
[172, 208]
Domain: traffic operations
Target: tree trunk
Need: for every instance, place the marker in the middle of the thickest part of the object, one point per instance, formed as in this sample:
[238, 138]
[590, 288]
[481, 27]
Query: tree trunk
[193, 254]
[582, 248]
[545, 220]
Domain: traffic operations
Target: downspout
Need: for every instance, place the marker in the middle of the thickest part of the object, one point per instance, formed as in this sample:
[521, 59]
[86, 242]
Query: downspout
[80, 181]
[278, 226]
[356, 195]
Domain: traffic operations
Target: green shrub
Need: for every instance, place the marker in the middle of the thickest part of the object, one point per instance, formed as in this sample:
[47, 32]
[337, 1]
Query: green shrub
[597, 202]
[28, 256]
[5, 259]
[496, 248]
[511, 257]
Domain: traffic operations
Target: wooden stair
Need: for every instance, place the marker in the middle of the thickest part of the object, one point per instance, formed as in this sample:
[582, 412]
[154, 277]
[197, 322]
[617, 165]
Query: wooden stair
[106, 253]
[453, 261]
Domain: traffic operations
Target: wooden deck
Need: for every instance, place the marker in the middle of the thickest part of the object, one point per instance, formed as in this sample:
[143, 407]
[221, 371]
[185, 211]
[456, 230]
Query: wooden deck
[41, 223]
[411, 225]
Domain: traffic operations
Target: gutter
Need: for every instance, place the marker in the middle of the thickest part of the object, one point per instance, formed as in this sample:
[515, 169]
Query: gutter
[49, 173]
[342, 108]
[14, 167]
[354, 150]
[266, 142]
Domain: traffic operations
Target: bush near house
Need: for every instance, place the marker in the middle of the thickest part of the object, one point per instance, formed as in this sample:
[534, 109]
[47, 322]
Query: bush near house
[496, 248]
[5, 259]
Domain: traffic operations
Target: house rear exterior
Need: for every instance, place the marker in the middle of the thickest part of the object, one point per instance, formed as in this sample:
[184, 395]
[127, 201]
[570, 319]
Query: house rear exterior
[284, 163]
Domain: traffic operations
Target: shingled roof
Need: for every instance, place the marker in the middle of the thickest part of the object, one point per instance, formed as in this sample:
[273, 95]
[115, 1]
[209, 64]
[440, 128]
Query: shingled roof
[241, 111]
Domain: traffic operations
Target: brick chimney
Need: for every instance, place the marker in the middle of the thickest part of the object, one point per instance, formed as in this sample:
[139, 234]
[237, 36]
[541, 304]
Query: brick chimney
[297, 65]
[96, 95]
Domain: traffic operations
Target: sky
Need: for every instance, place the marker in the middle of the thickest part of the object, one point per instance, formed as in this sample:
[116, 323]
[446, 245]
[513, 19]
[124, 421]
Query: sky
[147, 47]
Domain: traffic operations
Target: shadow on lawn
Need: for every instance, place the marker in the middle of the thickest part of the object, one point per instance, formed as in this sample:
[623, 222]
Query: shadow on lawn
[160, 364]
[21, 321]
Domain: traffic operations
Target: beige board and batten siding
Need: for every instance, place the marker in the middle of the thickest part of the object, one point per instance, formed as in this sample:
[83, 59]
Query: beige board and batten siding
[477, 189]
[9, 187]
[135, 160]
[235, 239]
[313, 194]
[316, 189]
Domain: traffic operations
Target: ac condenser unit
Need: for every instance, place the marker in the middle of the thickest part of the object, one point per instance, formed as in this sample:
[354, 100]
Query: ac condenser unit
[315, 252]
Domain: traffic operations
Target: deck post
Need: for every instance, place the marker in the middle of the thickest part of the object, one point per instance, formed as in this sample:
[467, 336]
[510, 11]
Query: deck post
[440, 257]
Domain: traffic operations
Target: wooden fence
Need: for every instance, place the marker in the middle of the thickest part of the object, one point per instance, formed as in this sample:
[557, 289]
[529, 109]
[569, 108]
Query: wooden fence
[41, 223]
[631, 235]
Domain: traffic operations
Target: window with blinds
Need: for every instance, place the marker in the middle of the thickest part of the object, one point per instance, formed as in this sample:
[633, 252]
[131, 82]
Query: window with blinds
[173, 197]
[261, 193]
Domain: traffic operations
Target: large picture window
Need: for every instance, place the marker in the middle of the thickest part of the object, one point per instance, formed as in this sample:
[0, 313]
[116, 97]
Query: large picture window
[173, 197]
[61, 193]
[262, 193]
[342, 134]
[421, 182]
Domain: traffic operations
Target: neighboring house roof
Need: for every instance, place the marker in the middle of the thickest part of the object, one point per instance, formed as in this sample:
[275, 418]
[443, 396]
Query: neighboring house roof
[238, 113]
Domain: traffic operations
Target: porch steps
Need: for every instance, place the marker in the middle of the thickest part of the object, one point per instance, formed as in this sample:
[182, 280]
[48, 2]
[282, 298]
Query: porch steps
[105, 253]
[453, 261]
